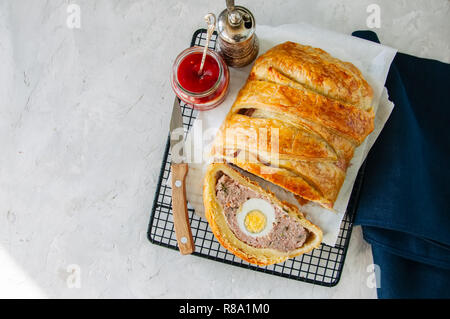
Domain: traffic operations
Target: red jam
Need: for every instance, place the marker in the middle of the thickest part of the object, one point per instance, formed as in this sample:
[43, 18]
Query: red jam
[190, 78]
[202, 91]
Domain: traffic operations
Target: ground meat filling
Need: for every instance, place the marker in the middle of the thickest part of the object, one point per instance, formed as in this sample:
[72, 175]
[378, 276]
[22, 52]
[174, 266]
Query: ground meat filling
[286, 235]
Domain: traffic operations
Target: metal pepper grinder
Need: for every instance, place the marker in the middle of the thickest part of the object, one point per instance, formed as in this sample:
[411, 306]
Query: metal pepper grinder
[237, 42]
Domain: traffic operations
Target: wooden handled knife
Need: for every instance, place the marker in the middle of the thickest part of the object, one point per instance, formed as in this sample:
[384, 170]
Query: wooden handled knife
[179, 171]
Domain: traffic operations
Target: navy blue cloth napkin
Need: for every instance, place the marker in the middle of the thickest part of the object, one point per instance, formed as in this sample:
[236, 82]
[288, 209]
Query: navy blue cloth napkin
[404, 204]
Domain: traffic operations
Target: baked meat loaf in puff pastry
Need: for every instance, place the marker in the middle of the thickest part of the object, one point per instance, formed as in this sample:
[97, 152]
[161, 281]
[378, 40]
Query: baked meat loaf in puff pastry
[251, 222]
[297, 121]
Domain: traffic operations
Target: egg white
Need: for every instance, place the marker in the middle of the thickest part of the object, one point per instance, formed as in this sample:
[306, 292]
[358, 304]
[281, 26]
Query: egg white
[256, 204]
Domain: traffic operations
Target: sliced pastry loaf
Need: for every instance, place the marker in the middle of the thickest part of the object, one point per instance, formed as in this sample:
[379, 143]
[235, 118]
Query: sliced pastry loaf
[251, 222]
[297, 121]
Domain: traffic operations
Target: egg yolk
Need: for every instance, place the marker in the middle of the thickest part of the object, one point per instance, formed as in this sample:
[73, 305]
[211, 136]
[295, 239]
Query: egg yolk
[255, 221]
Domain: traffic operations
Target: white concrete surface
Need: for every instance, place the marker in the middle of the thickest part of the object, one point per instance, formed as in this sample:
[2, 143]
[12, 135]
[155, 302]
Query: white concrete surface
[84, 115]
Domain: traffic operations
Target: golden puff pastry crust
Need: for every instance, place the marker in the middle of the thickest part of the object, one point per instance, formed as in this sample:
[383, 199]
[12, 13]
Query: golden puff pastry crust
[316, 70]
[214, 213]
[315, 107]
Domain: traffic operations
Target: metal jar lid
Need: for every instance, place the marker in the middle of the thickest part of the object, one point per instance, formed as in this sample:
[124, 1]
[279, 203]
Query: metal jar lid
[235, 24]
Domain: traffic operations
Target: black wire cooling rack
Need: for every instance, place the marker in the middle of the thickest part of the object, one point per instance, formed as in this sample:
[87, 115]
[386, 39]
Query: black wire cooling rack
[322, 266]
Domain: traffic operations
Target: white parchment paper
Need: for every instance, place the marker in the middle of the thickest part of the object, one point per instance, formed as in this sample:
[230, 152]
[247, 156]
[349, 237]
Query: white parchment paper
[372, 59]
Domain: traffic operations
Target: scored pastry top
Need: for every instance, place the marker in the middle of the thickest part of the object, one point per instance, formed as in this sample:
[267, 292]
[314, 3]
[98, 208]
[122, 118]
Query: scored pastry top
[297, 121]
[316, 70]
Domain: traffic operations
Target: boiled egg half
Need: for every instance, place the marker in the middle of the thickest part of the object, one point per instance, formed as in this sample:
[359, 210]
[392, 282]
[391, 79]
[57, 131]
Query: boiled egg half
[256, 217]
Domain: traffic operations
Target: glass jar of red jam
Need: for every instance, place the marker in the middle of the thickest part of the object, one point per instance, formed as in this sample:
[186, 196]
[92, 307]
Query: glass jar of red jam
[203, 91]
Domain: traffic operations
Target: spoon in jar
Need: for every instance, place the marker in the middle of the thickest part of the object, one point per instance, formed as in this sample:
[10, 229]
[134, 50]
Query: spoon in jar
[210, 19]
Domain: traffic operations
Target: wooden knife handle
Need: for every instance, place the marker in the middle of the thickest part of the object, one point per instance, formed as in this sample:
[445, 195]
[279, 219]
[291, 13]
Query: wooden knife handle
[179, 209]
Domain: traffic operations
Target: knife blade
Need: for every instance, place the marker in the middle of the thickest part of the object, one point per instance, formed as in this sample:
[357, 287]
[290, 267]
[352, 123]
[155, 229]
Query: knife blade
[179, 171]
